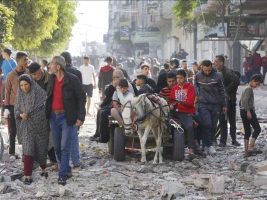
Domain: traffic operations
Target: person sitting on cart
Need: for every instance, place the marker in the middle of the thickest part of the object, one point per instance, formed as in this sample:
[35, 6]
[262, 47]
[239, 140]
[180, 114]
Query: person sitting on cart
[184, 106]
[166, 91]
[144, 87]
[121, 96]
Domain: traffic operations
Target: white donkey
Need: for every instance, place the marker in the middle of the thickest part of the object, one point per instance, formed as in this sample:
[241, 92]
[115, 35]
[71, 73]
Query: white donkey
[150, 116]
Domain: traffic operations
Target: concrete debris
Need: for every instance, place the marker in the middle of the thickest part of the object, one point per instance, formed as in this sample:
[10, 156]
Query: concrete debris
[172, 190]
[260, 178]
[216, 184]
[226, 175]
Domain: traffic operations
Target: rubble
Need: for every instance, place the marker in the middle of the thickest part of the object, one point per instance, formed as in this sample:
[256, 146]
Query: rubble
[227, 175]
[172, 190]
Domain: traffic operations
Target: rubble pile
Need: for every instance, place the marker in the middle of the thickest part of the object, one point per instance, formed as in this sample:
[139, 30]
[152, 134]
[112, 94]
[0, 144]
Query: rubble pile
[227, 175]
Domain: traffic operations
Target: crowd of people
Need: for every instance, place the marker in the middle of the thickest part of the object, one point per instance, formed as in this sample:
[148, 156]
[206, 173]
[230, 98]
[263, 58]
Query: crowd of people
[45, 104]
[199, 98]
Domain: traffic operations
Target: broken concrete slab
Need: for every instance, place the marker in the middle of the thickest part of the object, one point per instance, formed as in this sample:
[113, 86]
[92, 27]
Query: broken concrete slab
[172, 190]
[216, 184]
[260, 178]
[257, 167]
[202, 181]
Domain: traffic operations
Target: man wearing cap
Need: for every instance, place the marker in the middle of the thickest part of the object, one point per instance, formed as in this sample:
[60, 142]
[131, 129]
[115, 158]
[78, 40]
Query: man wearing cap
[11, 87]
[66, 111]
[38, 74]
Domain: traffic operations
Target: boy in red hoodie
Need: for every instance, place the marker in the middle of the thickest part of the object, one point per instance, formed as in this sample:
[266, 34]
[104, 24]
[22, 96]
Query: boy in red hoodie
[184, 96]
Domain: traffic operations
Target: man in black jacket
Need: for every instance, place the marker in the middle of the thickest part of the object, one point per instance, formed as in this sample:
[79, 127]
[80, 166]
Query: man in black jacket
[231, 82]
[69, 68]
[66, 111]
[75, 155]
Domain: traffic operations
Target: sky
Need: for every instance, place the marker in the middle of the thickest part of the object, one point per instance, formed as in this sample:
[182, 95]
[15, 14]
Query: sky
[92, 23]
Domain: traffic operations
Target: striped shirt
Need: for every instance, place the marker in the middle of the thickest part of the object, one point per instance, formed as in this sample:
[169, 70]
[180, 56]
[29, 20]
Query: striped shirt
[166, 93]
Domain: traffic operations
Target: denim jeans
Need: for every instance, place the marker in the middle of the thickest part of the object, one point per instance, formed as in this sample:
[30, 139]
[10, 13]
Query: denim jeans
[186, 120]
[209, 116]
[62, 135]
[75, 157]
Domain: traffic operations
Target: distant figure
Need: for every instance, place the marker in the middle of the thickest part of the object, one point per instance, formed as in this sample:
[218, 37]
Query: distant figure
[162, 79]
[105, 76]
[44, 65]
[182, 54]
[89, 83]
[189, 72]
[256, 63]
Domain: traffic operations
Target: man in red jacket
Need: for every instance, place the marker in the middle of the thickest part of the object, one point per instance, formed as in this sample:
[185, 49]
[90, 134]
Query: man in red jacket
[105, 76]
[184, 96]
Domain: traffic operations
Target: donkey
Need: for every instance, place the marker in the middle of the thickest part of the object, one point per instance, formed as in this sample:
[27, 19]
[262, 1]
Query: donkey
[150, 116]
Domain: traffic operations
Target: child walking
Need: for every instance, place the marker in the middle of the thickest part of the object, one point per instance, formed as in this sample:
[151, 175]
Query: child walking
[248, 115]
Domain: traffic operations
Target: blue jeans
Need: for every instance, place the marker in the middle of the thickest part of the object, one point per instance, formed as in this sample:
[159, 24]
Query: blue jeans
[209, 116]
[62, 135]
[75, 157]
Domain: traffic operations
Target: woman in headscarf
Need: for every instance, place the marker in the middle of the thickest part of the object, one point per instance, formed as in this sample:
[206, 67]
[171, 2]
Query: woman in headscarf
[32, 125]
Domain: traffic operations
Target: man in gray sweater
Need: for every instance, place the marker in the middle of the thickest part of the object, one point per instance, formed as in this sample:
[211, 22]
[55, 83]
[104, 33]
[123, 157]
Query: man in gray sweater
[211, 97]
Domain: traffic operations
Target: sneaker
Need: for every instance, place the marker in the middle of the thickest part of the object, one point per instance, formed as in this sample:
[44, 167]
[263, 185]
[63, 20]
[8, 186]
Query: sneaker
[94, 138]
[69, 174]
[212, 150]
[222, 145]
[76, 168]
[45, 174]
[206, 150]
[27, 181]
[54, 167]
[214, 143]
[62, 181]
[235, 143]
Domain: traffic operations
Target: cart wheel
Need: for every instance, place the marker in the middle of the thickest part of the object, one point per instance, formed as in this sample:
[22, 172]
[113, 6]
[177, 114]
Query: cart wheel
[178, 145]
[119, 144]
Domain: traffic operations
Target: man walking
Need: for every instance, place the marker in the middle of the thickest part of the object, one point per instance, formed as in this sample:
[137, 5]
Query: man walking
[66, 111]
[11, 86]
[75, 153]
[231, 82]
[211, 98]
[88, 72]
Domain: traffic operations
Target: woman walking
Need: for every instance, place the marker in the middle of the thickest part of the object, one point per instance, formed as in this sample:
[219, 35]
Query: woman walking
[32, 125]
